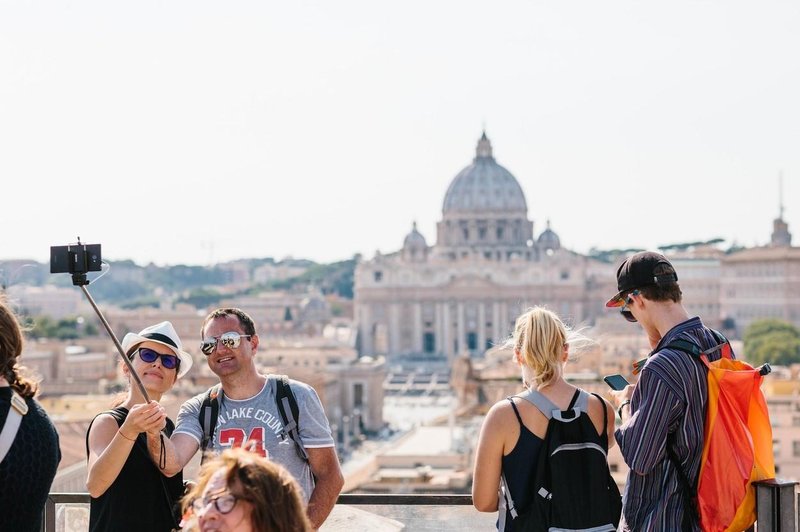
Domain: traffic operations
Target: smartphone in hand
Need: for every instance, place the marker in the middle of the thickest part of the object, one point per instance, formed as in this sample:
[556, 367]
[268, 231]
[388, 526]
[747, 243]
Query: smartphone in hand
[617, 382]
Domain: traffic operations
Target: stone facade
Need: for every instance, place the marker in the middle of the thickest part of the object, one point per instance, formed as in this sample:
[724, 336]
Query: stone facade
[462, 295]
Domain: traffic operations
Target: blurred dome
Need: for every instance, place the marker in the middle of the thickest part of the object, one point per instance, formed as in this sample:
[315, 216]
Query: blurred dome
[414, 238]
[549, 239]
[484, 186]
[415, 248]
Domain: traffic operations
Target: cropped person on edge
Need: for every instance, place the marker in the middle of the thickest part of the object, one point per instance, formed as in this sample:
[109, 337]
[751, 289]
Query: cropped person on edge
[514, 429]
[28, 468]
[665, 411]
[239, 491]
[248, 413]
[128, 491]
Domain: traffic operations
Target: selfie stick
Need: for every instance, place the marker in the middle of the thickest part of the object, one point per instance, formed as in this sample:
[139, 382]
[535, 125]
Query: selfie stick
[79, 279]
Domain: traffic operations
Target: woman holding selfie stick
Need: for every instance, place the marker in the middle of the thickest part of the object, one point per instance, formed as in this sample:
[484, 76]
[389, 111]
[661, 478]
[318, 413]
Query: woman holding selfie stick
[128, 490]
[515, 428]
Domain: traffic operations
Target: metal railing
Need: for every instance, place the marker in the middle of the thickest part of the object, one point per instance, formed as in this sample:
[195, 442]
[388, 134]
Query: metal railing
[777, 507]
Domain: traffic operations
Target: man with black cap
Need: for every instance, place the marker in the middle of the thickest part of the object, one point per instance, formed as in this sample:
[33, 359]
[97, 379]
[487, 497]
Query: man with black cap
[663, 414]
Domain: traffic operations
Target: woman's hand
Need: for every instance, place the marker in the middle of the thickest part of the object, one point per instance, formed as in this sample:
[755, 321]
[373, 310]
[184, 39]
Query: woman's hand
[144, 417]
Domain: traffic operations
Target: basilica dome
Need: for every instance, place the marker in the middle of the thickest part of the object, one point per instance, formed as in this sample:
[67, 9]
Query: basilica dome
[549, 239]
[484, 186]
[414, 239]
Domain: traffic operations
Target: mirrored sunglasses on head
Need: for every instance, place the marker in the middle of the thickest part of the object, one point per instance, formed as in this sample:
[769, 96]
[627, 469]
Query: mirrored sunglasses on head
[627, 314]
[231, 340]
[150, 355]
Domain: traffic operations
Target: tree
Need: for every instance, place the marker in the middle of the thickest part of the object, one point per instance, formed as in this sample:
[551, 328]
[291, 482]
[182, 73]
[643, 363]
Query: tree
[771, 340]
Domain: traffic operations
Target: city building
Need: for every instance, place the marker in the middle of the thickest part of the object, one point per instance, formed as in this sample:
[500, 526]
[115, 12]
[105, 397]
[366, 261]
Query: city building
[462, 294]
[762, 282]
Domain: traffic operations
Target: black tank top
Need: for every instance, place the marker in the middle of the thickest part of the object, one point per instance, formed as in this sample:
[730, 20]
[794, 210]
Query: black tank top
[518, 465]
[137, 500]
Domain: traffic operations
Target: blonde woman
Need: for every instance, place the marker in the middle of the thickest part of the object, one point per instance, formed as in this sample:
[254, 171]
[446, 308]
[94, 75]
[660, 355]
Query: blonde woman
[514, 428]
[128, 491]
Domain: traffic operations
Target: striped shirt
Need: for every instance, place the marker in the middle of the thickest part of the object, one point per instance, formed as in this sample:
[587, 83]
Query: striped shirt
[668, 405]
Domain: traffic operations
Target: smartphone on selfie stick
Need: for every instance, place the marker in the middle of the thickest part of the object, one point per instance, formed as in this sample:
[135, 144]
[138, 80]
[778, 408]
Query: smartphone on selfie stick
[617, 381]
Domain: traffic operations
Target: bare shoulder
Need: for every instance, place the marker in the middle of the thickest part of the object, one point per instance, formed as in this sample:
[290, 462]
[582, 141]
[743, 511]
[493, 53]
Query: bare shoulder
[501, 412]
[102, 423]
[596, 405]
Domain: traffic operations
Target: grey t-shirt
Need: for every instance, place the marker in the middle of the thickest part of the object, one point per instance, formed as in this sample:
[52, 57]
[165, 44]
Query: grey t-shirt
[257, 419]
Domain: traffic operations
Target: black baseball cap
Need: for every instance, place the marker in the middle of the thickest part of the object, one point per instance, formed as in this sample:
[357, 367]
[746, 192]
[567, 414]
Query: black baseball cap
[639, 270]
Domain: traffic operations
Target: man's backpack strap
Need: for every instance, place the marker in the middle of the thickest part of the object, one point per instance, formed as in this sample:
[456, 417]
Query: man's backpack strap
[691, 348]
[290, 413]
[209, 412]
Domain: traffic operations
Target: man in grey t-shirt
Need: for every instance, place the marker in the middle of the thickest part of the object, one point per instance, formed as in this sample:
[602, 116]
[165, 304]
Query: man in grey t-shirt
[248, 414]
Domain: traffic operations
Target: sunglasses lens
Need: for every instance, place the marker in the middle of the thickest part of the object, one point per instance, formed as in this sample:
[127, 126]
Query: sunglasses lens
[150, 356]
[207, 347]
[230, 340]
[628, 315]
[147, 355]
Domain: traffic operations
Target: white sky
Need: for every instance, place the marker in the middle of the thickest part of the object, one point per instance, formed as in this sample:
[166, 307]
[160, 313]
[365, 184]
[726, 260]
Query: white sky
[192, 131]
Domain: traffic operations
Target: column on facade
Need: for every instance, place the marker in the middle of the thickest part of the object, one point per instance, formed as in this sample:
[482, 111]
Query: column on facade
[446, 341]
[367, 338]
[416, 344]
[439, 327]
[461, 330]
[481, 327]
[394, 329]
[497, 334]
[503, 318]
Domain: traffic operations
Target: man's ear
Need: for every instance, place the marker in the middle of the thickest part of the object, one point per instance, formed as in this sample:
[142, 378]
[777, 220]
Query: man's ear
[254, 342]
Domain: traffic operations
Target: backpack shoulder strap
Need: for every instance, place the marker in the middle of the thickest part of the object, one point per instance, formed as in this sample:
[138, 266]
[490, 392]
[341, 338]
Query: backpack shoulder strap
[209, 412]
[686, 346]
[14, 419]
[289, 411]
[694, 350]
[545, 405]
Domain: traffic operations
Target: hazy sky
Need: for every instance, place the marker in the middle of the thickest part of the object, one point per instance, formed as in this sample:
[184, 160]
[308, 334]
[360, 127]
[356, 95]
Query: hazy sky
[192, 131]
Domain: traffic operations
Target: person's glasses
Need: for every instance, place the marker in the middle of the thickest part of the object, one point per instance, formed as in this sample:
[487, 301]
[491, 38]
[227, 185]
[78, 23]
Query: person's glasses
[231, 340]
[627, 314]
[168, 361]
[224, 503]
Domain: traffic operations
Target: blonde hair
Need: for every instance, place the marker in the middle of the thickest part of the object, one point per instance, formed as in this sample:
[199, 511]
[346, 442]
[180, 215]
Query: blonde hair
[540, 338]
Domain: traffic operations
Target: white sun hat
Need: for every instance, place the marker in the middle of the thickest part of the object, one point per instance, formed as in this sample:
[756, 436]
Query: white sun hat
[162, 333]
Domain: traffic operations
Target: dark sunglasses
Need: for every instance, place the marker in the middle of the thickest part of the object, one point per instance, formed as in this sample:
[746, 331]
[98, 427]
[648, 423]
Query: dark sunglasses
[224, 503]
[627, 314]
[231, 340]
[148, 355]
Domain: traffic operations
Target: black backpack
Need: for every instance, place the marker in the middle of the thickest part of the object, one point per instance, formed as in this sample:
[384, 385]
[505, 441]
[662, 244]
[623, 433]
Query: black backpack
[287, 407]
[572, 488]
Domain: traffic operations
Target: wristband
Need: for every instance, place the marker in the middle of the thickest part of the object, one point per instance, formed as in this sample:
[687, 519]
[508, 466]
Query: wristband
[625, 403]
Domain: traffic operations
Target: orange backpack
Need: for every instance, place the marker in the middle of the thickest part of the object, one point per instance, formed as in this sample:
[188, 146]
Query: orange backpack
[737, 448]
